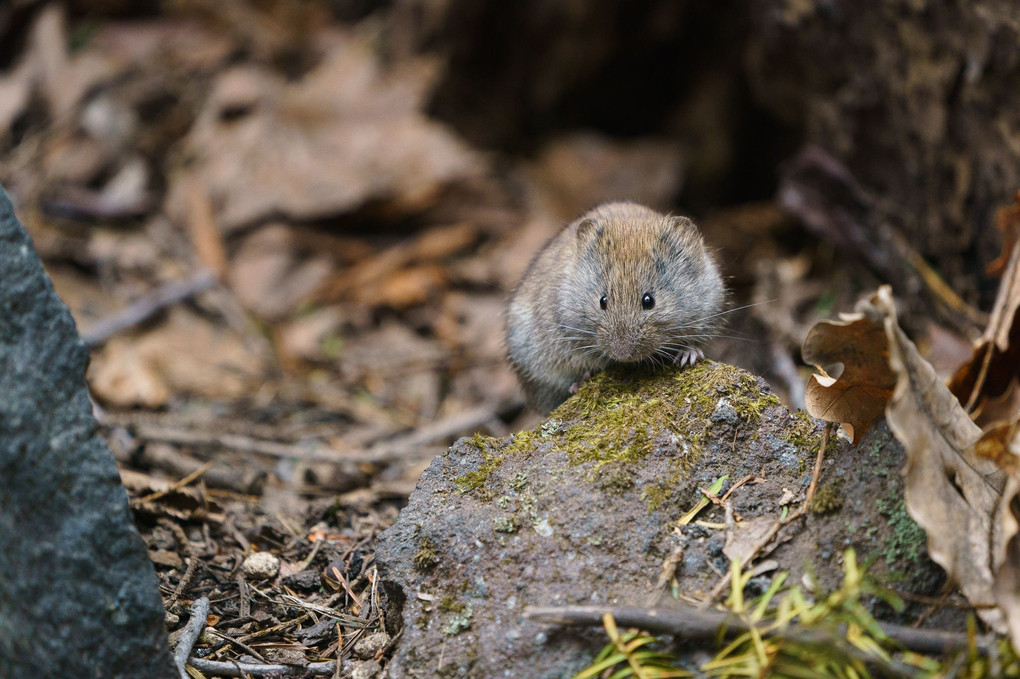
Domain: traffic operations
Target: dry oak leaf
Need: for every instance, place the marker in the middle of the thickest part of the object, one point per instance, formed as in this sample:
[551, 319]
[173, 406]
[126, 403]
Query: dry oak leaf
[349, 132]
[1001, 444]
[184, 354]
[949, 490]
[987, 384]
[859, 395]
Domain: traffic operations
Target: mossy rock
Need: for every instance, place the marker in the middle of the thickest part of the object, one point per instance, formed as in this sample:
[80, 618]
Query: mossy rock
[584, 509]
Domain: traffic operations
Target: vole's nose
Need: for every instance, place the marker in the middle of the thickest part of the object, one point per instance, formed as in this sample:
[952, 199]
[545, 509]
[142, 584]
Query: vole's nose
[624, 347]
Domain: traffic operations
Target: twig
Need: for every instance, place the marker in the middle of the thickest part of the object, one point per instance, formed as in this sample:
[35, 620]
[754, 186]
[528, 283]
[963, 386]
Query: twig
[244, 593]
[347, 586]
[185, 543]
[692, 624]
[243, 669]
[947, 590]
[817, 472]
[176, 485]
[401, 448]
[189, 573]
[747, 479]
[189, 635]
[141, 309]
[230, 640]
[666, 572]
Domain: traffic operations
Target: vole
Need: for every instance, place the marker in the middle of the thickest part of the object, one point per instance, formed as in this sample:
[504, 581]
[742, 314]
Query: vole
[621, 284]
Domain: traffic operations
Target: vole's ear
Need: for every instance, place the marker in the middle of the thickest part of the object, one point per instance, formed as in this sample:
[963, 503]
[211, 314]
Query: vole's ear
[588, 228]
[682, 232]
[681, 224]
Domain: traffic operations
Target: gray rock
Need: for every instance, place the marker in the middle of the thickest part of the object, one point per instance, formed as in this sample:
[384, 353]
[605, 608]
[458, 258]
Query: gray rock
[78, 595]
[583, 510]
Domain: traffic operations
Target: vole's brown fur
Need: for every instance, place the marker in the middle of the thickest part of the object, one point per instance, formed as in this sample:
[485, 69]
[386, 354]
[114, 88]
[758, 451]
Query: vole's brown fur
[558, 332]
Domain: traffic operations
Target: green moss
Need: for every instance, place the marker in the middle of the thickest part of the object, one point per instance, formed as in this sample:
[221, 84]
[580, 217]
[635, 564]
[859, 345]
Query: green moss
[618, 480]
[828, 499]
[905, 541]
[621, 416]
[804, 435]
[427, 556]
[448, 604]
[477, 479]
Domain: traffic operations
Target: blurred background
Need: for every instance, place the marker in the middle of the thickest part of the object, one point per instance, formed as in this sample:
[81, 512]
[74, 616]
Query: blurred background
[287, 229]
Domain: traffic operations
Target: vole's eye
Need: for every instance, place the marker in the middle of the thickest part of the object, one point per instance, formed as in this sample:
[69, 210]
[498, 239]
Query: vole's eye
[647, 302]
[603, 302]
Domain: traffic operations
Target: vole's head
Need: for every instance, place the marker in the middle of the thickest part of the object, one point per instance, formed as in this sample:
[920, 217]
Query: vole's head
[644, 284]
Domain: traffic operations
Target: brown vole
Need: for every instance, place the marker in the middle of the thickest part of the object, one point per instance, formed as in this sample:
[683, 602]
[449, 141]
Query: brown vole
[622, 284]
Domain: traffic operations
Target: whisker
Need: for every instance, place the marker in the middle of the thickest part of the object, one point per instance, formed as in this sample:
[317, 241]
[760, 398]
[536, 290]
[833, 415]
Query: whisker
[730, 311]
[580, 330]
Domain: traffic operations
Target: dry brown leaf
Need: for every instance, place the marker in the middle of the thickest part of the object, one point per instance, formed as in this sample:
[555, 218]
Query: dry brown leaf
[743, 541]
[15, 92]
[186, 503]
[990, 378]
[63, 79]
[272, 274]
[1007, 220]
[949, 491]
[364, 279]
[1001, 444]
[406, 288]
[1007, 559]
[347, 133]
[184, 355]
[859, 396]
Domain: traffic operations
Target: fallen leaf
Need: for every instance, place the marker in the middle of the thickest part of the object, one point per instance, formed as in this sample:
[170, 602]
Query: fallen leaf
[951, 492]
[272, 274]
[860, 394]
[185, 354]
[1007, 559]
[205, 237]
[406, 288]
[347, 133]
[987, 385]
[364, 279]
[15, 92]
[743, 541]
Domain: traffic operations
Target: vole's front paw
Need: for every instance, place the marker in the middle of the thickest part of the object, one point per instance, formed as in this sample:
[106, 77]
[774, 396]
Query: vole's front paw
[689, 356]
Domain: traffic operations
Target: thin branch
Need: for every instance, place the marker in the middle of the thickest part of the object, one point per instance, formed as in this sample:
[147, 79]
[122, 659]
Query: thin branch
[244, 669]
[177, 485]
[190, 634]
[142, 309]
[691, 624]
[409, 446]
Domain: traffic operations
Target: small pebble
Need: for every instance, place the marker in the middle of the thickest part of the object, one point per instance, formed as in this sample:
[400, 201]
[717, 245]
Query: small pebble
[366, 670]
[367, 647]
[260, 566]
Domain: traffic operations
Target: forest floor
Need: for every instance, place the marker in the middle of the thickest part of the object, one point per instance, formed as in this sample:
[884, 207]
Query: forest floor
[292, 281]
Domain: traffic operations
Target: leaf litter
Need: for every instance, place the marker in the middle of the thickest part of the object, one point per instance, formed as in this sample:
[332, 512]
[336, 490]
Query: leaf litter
[363, 250]
[960, 479]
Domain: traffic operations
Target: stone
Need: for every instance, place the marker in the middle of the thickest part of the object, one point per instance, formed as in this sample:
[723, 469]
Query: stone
[260, 566]
[583, 509]
[78, 595]
[368, 646]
